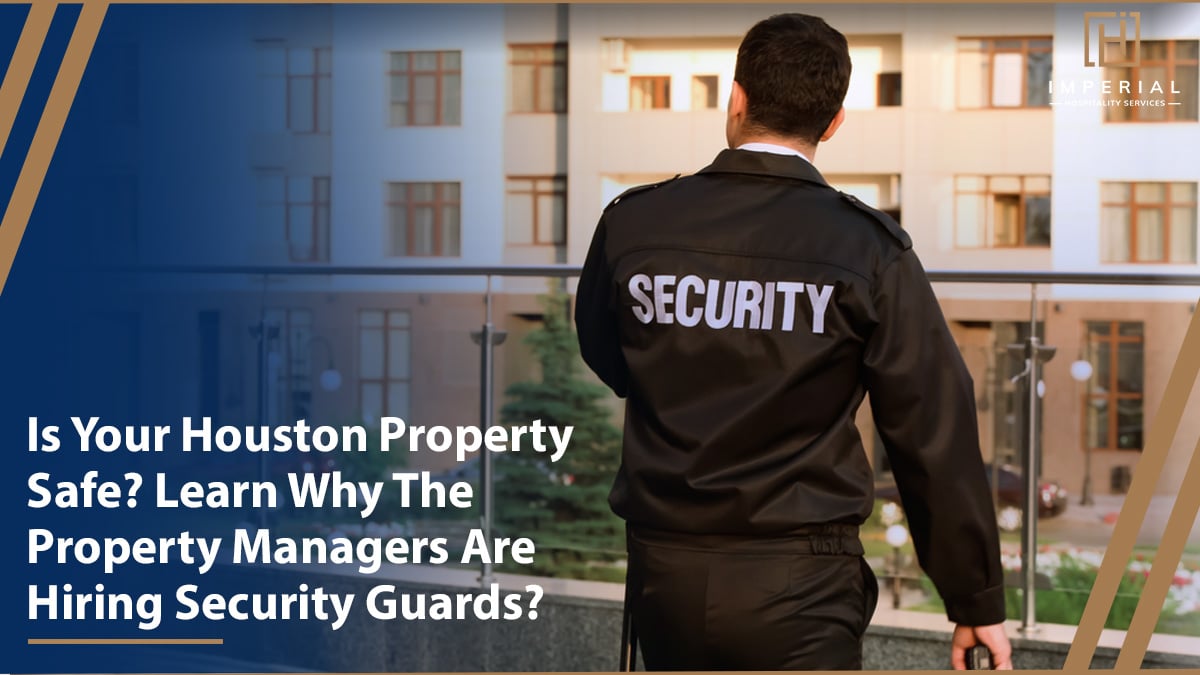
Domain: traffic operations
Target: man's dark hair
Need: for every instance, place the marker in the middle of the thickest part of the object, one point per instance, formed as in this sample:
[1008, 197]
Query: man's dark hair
[795, 70]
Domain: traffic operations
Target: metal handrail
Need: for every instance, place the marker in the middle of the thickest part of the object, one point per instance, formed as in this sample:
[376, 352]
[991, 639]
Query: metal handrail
[564, 271]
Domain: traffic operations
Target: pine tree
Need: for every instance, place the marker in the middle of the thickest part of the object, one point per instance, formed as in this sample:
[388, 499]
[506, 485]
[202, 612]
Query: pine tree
[563, 505]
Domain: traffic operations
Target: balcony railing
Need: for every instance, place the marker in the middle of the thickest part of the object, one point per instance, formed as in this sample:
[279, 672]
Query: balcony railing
[1032, 351]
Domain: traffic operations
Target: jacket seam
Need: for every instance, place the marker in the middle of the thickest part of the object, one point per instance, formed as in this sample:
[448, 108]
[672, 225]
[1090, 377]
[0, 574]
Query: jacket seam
[767, 174]
[883, 271]
[740, 254]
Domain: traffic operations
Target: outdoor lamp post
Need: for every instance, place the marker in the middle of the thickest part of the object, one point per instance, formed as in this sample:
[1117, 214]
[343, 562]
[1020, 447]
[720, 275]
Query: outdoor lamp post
[1081, 371]
[269, 361]
[331, 378]
[896, 536]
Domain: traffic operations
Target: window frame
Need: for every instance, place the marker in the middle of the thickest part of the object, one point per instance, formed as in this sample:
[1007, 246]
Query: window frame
[1112, 394]
[990, 52]
[319, 238]
[439, 73]
[287, 378]
[662, 85]
[1135, 76]
[1165, 208]
[554, 182]
[384, 380]
[438, 203]
[887, 83]
[541, 68]
[318, 79]
[989, 229]
[716, 91]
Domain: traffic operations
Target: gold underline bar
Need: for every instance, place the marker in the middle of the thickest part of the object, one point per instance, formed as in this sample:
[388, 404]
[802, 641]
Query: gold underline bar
[126, 641]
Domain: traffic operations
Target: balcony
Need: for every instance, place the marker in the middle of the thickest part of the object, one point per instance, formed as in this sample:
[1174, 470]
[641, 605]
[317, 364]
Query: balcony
[1117, 418]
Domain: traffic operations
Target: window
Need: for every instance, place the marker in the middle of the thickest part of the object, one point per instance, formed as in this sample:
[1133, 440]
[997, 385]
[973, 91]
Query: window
[297, 207]
[539, 78]
[296, 87]
[308, 219]
[423, 219]
[426, 88]
[289, 367]
[1004, 72]
[1113, 402]
[650, 92]
[704, 92]
[1148, 222]
[1172, 64]
[1001, 211]
[888, 88]
[384, 360]
[537, 210]
[308, 90]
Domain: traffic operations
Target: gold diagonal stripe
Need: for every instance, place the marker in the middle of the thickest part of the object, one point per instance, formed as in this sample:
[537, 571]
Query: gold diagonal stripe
[1133, 512]
[1170, 551]
[45, 139]
[20, 68]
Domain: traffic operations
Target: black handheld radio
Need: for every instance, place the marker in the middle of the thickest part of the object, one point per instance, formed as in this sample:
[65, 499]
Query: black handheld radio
[979, 658]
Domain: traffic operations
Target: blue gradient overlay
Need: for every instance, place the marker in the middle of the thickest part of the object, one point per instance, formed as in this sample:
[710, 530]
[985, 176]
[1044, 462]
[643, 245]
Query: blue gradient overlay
[151, 169]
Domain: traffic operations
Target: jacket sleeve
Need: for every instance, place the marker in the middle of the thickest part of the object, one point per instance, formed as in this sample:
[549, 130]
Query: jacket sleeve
[923, 402]
[596, 320]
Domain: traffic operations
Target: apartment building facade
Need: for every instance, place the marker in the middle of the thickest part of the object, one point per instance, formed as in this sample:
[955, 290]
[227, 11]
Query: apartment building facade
[477, 135]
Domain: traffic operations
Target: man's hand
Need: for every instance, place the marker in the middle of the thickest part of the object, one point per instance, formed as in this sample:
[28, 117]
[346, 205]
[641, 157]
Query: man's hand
[993, 637]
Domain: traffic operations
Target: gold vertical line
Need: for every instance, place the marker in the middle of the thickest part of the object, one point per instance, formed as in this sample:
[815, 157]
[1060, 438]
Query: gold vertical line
[1170, 551]
[45, 139]
[20, 67]
[1133, 512]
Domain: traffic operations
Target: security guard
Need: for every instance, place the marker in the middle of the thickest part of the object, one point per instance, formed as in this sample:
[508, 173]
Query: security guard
[743, 312]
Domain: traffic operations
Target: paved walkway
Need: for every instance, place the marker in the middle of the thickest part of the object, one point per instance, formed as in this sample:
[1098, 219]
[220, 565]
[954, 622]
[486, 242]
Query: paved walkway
[1092, 526]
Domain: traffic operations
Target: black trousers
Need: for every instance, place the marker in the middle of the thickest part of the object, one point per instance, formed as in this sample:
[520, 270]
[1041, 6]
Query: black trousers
[727, 603]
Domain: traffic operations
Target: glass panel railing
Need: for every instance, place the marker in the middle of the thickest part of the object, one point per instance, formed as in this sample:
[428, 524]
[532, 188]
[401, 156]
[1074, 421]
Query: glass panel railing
[380, 348]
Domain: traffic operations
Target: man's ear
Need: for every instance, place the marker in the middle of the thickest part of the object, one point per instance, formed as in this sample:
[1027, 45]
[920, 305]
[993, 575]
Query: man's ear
[737, 101]
[833, 125]
[735, 116]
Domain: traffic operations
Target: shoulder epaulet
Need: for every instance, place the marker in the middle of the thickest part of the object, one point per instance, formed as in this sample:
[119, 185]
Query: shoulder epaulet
[893, 228]
[639, 188]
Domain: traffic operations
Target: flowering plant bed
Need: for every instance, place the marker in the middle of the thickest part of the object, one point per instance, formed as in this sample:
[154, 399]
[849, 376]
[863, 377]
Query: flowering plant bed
[1071, 573]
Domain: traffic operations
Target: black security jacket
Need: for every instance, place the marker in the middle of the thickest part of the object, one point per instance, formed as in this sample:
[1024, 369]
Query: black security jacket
[743, 312]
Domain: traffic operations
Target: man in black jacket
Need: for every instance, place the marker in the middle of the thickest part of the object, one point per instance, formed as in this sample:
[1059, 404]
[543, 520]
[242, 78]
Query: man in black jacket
[743, 312]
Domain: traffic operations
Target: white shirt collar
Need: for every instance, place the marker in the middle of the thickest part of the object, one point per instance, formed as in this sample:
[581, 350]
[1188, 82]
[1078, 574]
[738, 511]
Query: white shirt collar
[773, 149]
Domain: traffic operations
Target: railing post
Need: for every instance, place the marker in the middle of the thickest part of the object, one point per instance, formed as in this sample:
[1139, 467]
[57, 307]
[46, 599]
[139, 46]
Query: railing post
[1035, 354]
[487, 339]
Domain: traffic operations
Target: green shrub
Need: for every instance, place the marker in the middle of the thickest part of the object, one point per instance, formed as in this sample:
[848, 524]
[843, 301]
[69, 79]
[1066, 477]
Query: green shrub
[1065, 602]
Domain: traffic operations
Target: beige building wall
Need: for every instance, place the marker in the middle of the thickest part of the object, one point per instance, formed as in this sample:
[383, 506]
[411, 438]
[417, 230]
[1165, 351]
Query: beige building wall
[535, 144]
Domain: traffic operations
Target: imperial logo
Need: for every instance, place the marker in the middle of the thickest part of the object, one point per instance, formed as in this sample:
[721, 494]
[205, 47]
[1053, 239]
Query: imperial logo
[1113, 47]
[1122, 68]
